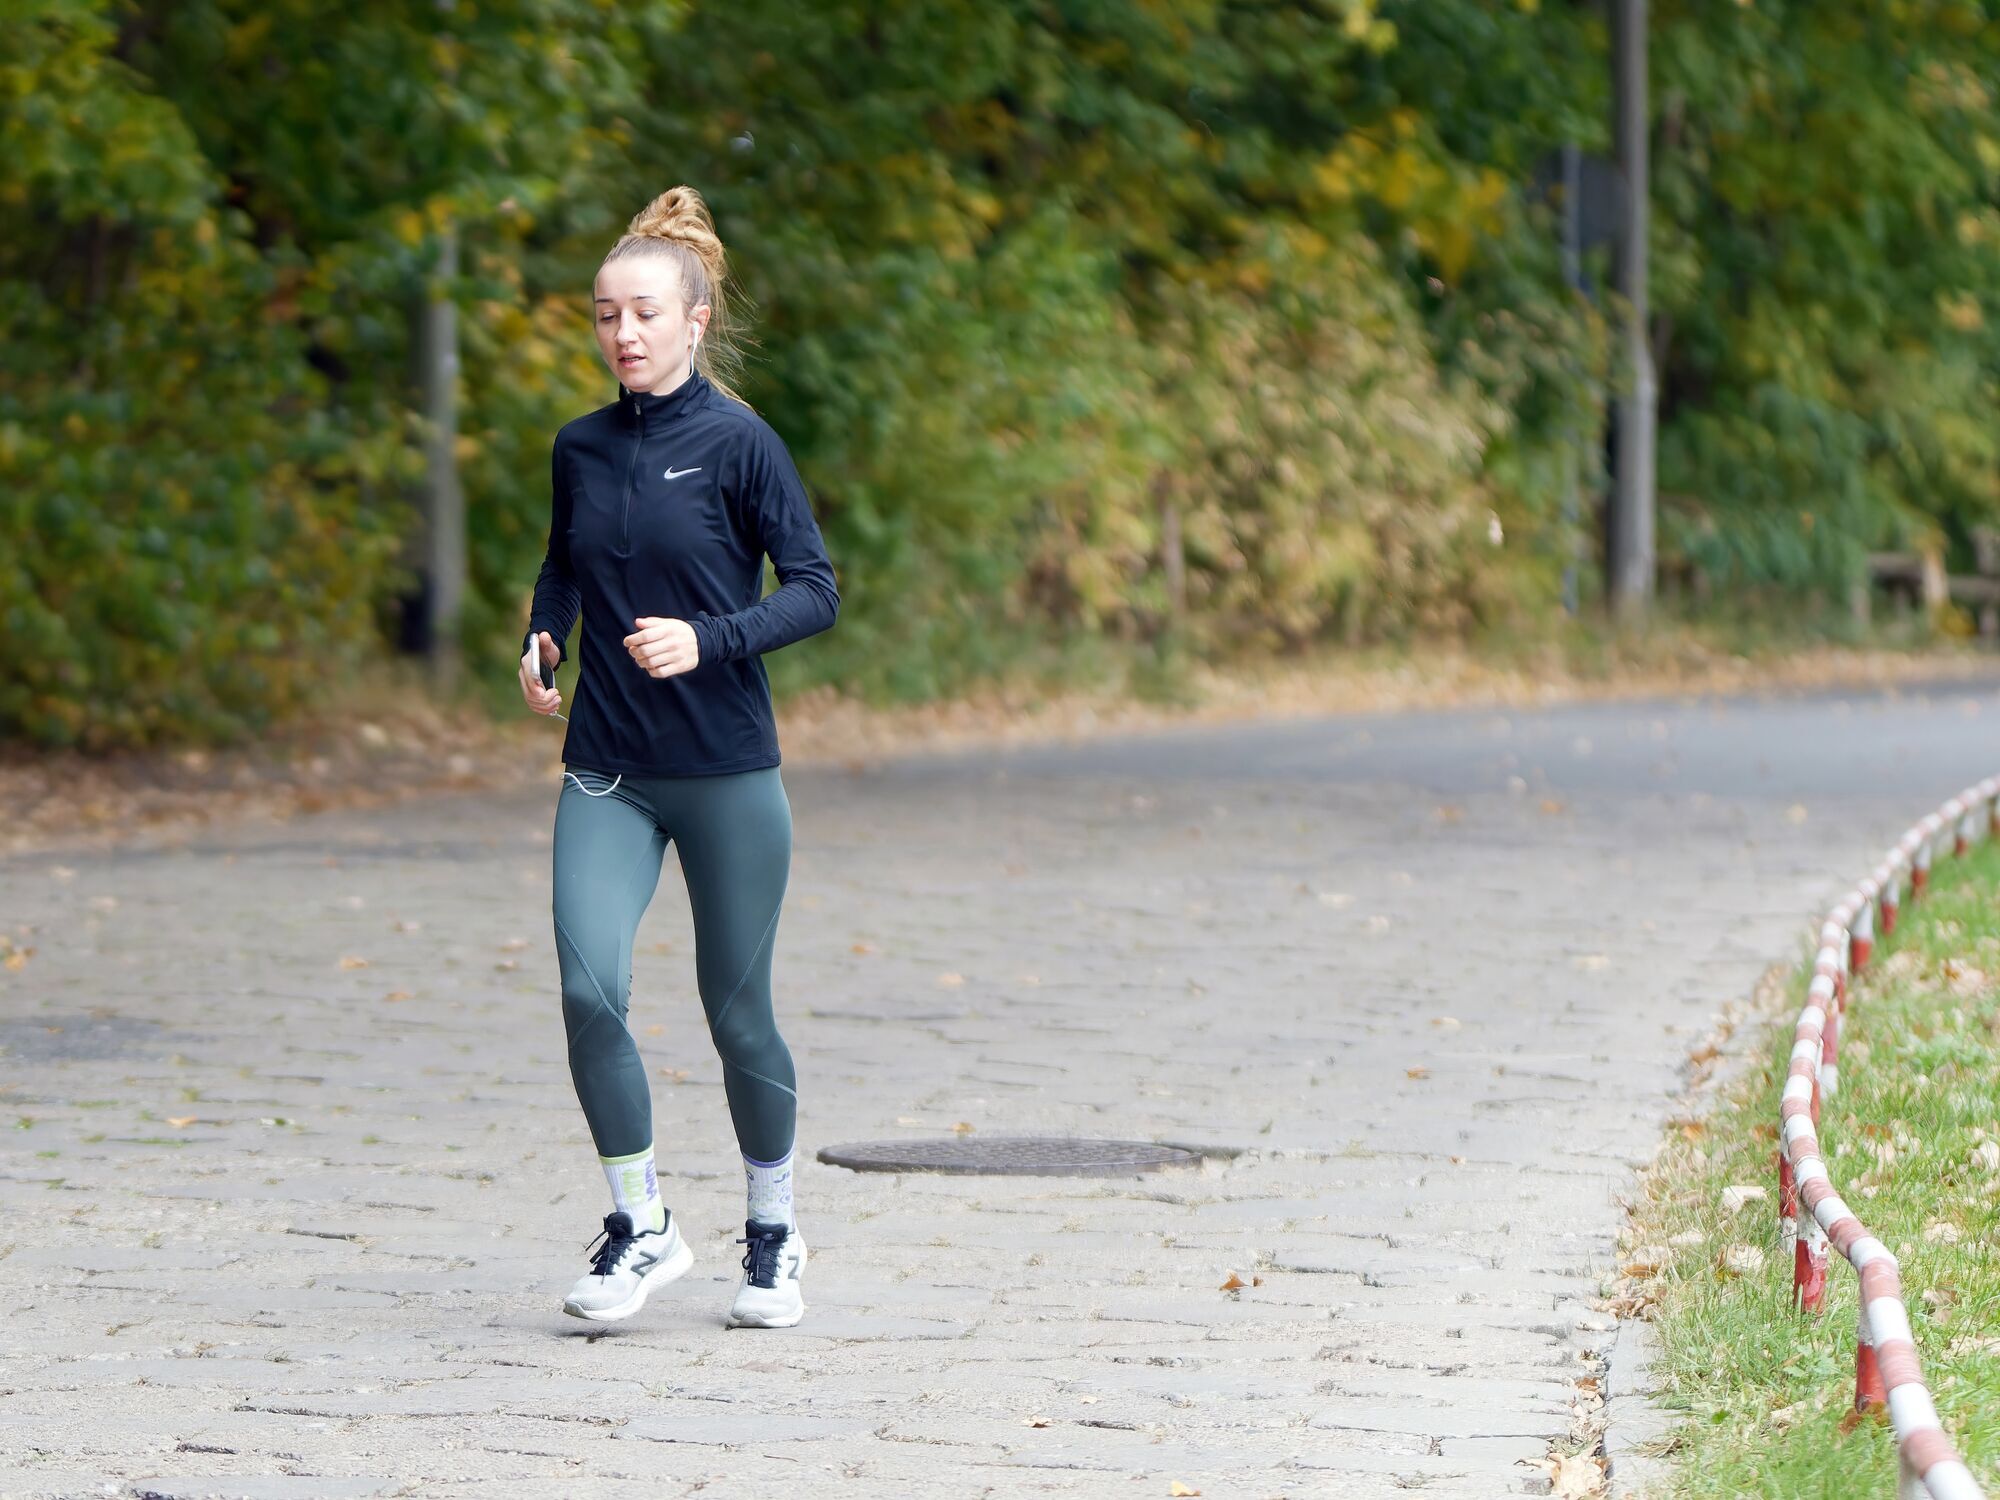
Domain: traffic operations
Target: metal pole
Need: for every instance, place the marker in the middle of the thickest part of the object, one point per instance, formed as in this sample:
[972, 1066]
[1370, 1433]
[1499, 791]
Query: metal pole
[1572, 263]
[1632, 548]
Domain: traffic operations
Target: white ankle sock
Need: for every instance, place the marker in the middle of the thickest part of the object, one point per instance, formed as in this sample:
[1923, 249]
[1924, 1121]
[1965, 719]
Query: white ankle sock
[770, 1190]
[635, 1189]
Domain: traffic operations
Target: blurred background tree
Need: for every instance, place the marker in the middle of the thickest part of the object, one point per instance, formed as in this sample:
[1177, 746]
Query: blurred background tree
[1103, 331]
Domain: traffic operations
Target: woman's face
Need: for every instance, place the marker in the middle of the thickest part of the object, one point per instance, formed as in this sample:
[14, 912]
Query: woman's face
[643, 332]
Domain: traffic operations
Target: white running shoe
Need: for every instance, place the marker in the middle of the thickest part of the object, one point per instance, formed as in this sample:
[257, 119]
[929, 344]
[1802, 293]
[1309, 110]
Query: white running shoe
[772, 1266]
[627, 1268]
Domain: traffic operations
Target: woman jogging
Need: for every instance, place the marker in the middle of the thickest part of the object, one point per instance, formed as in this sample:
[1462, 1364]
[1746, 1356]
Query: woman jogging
[665, 504]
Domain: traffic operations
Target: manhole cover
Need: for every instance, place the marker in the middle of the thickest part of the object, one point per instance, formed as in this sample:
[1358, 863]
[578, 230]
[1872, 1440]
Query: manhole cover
[1010, 1155]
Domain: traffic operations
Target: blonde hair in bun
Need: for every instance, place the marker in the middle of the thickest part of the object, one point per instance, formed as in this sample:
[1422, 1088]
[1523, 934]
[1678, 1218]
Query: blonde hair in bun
[676, 226]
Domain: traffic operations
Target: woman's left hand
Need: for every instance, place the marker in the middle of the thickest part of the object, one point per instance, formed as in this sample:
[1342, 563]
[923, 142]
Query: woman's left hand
[663, 647]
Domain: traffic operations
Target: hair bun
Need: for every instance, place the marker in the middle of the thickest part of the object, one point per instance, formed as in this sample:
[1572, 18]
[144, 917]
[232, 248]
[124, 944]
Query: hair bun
[677, 214]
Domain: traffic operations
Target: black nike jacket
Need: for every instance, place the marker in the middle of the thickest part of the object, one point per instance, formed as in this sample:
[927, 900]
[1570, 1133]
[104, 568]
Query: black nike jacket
[667, 505]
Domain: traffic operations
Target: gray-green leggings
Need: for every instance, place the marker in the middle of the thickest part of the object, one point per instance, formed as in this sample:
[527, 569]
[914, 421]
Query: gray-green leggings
[734, 836]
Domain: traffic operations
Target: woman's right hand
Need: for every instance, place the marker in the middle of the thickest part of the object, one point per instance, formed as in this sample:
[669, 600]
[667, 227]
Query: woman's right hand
[542, 700]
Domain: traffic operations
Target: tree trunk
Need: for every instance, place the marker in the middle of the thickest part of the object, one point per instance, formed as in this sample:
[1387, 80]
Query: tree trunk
[444, 501]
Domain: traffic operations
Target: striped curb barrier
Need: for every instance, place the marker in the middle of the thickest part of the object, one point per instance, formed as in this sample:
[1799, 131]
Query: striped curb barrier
[1811, 1215]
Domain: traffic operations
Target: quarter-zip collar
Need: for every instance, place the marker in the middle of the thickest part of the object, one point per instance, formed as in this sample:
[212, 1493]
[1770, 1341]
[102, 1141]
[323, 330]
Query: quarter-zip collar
[644, 408]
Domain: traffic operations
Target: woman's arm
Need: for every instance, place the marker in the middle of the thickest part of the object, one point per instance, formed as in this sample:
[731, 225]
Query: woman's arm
[557, 598]
[807, 600]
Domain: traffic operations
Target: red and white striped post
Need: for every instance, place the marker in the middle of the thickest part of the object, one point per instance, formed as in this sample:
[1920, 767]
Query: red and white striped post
[1868, 1393]
[1861, 936]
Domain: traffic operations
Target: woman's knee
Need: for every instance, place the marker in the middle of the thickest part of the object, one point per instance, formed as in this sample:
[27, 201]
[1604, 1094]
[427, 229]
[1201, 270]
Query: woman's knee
[746, 1032]
[591, 992]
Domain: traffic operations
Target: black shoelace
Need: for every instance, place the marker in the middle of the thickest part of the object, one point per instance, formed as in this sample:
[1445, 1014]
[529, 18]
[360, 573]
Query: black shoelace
[617, 1236]
[761, 1259]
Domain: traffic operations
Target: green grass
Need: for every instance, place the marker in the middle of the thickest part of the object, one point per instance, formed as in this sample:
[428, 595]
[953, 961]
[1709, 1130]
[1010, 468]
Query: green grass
[1768, 1392]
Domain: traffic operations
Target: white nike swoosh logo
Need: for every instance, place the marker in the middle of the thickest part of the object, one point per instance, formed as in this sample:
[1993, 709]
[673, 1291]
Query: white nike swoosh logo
[673, 473]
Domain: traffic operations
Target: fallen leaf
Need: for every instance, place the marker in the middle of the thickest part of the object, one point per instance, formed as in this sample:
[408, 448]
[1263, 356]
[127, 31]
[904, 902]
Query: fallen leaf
[674, 1075]
[656, 1030]
[177, 1121]
[1646, 1261]
[1448, 1023]
[963, 1127]
[1419, 1071]
[1591, 963]
[1551, 806]
[950, 980]
[1234, 1283]
[861, 948]
[1740, 1260]
[16, 961]
[1035, 1422]
[351, 962]
[399, 995]
[409, 926]
[1575, 1476]
[1449, 813]
[1179, 1489]
[1256, 1281]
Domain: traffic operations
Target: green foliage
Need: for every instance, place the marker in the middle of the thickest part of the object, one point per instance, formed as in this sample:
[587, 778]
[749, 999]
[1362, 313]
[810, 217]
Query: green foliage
[181, 543]
[1039, 288]
[1826, 273]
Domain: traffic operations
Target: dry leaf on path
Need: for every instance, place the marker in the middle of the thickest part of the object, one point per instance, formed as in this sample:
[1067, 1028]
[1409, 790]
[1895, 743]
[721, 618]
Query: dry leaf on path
[1179, 1489]
[351, 962]
[861, 948]
[177, 1121]
[399, 995]
[1575, 1476]
[1419, 1071]
[963, 1127]
[951, 980]
[1234, 1283]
